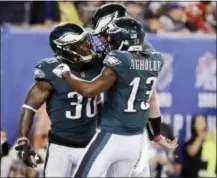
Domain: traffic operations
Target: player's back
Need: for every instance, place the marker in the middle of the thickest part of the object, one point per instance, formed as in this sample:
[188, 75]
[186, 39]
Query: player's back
[73, 117]
[126, 111]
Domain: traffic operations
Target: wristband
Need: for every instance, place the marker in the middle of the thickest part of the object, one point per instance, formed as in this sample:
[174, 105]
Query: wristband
[22, 139]
[153, 127]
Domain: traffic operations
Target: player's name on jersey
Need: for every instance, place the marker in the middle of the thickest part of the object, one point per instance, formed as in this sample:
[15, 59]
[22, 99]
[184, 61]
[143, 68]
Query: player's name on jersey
[145, 65]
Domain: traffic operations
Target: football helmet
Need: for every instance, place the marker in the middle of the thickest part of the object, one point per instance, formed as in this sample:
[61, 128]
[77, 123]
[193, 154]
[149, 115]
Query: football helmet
[100, 21]
[105, 15]
[69, 42]
[125, 33]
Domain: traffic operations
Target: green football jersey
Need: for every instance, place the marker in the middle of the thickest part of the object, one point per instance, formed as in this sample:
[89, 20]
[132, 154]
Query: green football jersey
[126, 110]
[73, 117]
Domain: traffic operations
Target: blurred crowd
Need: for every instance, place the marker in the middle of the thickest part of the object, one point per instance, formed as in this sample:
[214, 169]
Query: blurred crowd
[195, 158]
[156, 17]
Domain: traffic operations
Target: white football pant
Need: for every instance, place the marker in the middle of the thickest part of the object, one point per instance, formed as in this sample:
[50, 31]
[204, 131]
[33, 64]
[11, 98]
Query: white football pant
[142, 167]
[61, 161]
[110, 155]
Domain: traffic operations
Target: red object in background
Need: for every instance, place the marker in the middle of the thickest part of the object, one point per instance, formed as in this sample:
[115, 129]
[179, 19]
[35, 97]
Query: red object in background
[196, 15]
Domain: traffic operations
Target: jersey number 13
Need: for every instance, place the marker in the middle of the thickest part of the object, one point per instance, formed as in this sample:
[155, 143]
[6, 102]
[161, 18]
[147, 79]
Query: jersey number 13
[135, 86]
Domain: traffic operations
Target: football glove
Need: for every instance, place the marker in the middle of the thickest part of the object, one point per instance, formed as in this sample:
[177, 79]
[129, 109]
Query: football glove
[25, 152]
[60, 69]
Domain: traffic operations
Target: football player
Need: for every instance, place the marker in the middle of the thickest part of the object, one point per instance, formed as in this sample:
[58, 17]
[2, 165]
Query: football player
[73, 116]
[103, 16]
[130, 72]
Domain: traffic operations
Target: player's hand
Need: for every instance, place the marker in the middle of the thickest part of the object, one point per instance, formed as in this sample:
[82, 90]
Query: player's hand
[60, 69]
[28, 155]
[167, 143]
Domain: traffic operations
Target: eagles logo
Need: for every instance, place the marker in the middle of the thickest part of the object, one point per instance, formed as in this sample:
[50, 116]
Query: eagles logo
[104, 21]
[112, 61]
[69, 37]
[39, 73]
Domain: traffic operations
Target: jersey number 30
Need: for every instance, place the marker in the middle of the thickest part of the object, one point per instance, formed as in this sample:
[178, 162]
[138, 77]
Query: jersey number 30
[135, 86]
[78, 106]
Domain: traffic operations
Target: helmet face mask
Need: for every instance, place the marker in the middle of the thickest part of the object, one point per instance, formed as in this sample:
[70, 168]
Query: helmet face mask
[69, 42]
[99, 43]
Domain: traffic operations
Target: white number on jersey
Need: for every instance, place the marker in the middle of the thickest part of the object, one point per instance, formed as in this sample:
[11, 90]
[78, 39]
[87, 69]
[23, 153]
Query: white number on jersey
[79, 106]
[135, 86]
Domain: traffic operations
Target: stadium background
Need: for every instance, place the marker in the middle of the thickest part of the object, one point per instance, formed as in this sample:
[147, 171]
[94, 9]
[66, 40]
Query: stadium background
[187, 84]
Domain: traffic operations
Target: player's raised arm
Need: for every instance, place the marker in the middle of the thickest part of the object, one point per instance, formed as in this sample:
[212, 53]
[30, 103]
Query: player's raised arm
[88, 89]
[36, 96]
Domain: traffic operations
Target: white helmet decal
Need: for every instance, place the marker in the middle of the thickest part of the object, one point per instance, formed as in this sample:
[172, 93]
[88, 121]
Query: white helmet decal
[104, 22]
[69, 38]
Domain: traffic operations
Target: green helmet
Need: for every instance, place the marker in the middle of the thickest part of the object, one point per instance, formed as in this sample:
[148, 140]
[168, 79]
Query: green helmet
[102, 17]
[125, 34]
[64, 38]
[105, 15]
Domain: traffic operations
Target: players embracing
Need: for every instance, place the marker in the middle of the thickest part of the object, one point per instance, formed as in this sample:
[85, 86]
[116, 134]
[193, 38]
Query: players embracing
[70, 83]
[129, 76]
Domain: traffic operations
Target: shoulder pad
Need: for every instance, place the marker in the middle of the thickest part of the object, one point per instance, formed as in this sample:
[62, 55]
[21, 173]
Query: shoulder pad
[43, 70]
[147, 45]
[155, 55]
[46, 61]
[111, 60]
[115, 60]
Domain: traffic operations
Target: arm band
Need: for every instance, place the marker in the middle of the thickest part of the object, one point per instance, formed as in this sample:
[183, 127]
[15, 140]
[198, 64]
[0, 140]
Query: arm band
[29, 107]
[153, 128]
